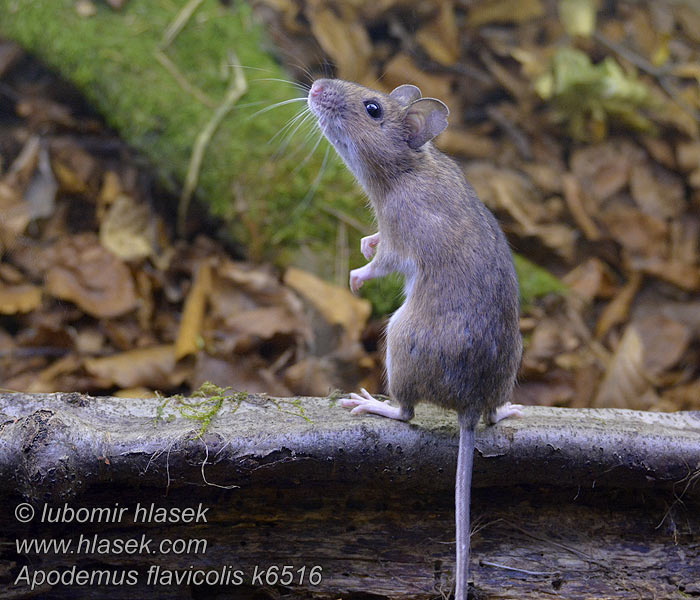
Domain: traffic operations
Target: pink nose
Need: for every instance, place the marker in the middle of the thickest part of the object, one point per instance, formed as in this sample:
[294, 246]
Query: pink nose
[316, 89]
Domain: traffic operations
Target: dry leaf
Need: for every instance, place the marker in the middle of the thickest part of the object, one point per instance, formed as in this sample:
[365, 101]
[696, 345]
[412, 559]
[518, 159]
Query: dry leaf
[15, 216]
[573, 195]
[640, 234]
[345, 40]
[556, 388]
[683, 275]
[20, 298]
[617, 311]
[49, 379]
[504, 11]
[604, 169]
[42, 112]
[154, 368]
[241, 373]
[689, 19]
[246, 329]
[689, 160]
[440, 37]
[665, 341]
[460, 142]
[40, 194]
[657, 191]
[625, 384]
[23, 167]
[87, 274]
[660, 150]
[591, 279]
[552, 336]
[507, 190]
[189, 334]
[126, 229]
[76, 170]
[685, 240]
[684, 397]
[312, 376]
[546, 177]
[337, 305]
[16, 212]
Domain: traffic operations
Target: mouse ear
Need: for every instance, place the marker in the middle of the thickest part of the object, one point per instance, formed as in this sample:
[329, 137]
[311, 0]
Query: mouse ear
[425, 118]
[405, 94]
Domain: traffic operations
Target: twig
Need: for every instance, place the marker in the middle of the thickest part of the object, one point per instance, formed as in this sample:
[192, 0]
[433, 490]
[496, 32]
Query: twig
[238, 87]
[170, 67]
[630, 56]
[179, 22]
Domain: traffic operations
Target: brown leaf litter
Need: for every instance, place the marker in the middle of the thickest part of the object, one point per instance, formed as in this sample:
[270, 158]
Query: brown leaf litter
[96, 294]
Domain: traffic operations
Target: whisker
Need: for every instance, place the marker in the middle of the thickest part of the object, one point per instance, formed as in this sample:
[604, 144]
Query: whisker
[299, 86]
[277, 104]
[310, 134]
[288, 138]
[289, 124]
[251, 68]
[306, 71]
[314, 186]
[309, 155]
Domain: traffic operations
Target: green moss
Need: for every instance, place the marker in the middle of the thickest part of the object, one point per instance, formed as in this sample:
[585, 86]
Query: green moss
[535, 281]
[204, 404]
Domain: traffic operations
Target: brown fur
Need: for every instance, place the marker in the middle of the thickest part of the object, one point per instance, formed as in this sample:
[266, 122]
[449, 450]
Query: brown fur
[455, 342]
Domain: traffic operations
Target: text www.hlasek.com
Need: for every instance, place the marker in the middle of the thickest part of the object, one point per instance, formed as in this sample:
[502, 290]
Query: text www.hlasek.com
[150, 575]
[94, 544]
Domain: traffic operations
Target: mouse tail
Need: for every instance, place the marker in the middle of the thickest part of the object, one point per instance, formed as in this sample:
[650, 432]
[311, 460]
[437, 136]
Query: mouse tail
[465, 461]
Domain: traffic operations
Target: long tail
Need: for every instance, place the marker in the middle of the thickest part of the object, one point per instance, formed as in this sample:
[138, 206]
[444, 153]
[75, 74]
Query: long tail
[465, 460]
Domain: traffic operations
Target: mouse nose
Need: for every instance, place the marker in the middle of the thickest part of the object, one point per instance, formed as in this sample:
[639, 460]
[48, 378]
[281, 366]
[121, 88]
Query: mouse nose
[316, 89]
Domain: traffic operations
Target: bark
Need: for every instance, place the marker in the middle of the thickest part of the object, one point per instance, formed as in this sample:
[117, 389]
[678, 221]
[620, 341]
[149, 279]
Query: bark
[583, 503]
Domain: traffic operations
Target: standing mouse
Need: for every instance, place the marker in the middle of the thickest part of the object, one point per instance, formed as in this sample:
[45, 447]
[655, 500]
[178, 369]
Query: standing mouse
[455, 341]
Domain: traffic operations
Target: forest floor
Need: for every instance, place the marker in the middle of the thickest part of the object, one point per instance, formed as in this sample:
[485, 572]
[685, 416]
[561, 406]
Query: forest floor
[98, 295]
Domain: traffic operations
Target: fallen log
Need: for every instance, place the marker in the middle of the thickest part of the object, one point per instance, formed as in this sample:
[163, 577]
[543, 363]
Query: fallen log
[294, 498]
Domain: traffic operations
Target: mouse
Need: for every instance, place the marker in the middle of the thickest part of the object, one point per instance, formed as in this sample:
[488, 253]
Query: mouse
[455, 340]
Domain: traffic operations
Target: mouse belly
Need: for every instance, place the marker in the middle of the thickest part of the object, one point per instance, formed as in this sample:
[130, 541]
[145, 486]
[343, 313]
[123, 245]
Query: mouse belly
[442, 360]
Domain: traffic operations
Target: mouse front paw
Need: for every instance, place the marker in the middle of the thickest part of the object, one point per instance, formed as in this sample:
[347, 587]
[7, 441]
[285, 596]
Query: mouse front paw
[365, 403]
[359, 276]
[368, 245]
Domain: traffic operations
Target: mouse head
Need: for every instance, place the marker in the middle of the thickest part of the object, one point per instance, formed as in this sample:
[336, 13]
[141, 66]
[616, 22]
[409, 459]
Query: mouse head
[378, 135]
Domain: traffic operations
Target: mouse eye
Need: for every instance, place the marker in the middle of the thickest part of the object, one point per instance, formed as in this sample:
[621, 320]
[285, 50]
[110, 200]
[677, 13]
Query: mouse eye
[374, 109]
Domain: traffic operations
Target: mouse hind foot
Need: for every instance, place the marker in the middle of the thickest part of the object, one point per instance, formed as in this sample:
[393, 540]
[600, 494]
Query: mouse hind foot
[364, 402]
[504, 411]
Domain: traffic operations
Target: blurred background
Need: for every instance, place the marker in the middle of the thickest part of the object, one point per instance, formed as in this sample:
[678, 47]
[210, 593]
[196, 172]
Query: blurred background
[165, 221]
